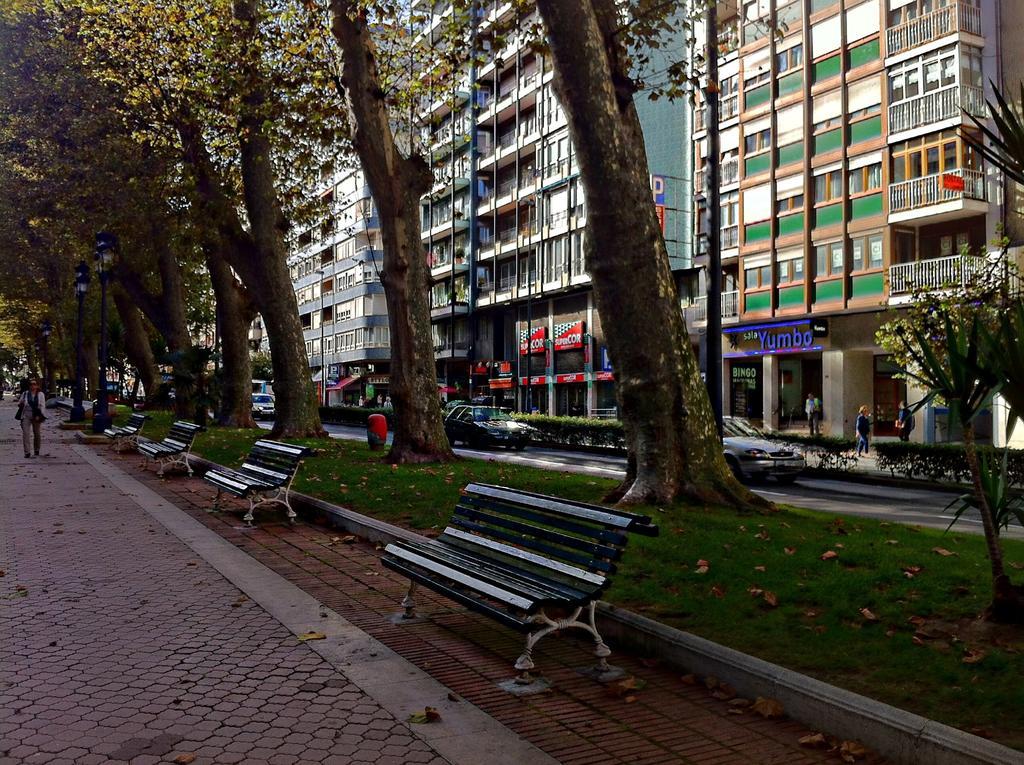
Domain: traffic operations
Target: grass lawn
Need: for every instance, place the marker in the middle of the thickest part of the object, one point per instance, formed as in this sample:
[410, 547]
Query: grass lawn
[766, 589]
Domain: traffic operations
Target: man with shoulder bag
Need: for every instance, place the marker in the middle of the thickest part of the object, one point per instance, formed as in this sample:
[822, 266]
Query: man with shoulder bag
[31, 406]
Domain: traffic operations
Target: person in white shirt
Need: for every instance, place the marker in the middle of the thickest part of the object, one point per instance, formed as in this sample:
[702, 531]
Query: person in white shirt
[31, 407]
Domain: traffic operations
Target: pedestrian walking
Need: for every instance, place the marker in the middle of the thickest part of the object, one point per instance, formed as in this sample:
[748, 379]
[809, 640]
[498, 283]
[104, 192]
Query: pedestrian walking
[904, 421]
[863, 430]
[387, 403]
[30, 412]
[812, 407]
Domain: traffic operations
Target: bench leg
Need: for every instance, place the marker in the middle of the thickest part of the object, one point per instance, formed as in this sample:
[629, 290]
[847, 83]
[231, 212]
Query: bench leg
[601, 649]
[525, 662]
[249, 515]
[408, 603]
[216, 503]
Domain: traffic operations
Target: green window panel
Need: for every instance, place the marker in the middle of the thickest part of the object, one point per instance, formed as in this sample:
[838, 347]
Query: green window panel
[868, 285]
[757, 231]
[864, 54]
[866, 129]
[830, 141]
[829, 67]
[825, 292]
[791, 297]
[792, 153]
[791, 83]
[757, 301]
[862, 207]
[820, 5]
[757, 96]
[758, 164]
[829, 216]
[791, 224]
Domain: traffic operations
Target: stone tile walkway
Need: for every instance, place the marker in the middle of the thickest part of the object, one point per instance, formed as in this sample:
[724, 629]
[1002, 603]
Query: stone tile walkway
[119, 644]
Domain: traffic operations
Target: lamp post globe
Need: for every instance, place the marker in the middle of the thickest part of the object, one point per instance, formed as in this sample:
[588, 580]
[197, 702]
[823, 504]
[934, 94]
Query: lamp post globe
[81, 287]
[106, 246]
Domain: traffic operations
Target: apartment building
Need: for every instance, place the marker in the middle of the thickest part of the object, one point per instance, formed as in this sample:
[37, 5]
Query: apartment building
[846, 187]
[335, 268]
[511, 303]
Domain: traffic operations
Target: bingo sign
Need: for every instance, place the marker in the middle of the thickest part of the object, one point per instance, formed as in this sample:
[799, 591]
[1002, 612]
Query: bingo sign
[569, 336]
[535, 343]
[658, 192]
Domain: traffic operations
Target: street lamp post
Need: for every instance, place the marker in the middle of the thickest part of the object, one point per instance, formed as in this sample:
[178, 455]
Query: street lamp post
[712, 181]
[46, 329]
[106, 244]
[81, 285]
[323, 355]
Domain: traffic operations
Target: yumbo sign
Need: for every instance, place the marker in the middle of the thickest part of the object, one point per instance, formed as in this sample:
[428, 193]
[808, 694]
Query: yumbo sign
[569, 336]
[789, 337]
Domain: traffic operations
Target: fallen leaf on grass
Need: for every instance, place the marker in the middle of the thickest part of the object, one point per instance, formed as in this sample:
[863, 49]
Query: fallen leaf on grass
[911, 571]
[755, 591]
[184, 759]
[789, 550]
[428, 715]
[762, 535]
[916, 640]
[868, 615]
[769, 708]
[702, 567]
[762, 569]
[771, 598]
[1018, 566]
[973, 656]
[813, 741]
[312, 636]
[943, 552]
[829, 555]
[892, 541]
[851, 751]
[717, 591]
[917, 621]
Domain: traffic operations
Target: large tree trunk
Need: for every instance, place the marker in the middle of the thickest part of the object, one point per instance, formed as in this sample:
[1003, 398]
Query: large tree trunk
[397, 183]
[1007, 601]
[670, 429]
[235, 313]
[136, 342]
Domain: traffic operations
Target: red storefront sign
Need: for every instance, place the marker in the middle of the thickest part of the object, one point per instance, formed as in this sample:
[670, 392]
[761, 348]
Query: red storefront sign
[952, 182]
[497, 383]
[535, 380]
[535, 343]
[569, 336]
[604, 376]
[504, 368]
[575, 377]
[480, 367]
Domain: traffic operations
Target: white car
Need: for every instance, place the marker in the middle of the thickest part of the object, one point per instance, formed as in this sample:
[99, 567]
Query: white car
[753, 455]
[263, 406]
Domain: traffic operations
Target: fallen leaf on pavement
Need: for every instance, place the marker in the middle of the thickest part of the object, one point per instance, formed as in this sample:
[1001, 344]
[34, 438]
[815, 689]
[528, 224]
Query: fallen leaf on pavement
[625, 688]
[829, 555]
[428, 715]
[740, 703]
[312, 636]
[813, 741]
[724, 692]
[942, 551]
[184, 759]
[689, 679]
[769, 708]
[711, 682]
[851, 751]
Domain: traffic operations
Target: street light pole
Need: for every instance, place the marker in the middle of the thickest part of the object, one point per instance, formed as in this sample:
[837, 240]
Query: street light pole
[47, 328]
[323, 354]
[81, 285]
[712, 184]
[105, 246]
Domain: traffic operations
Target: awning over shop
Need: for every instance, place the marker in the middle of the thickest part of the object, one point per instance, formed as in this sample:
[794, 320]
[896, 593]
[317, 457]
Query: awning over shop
[344, 383]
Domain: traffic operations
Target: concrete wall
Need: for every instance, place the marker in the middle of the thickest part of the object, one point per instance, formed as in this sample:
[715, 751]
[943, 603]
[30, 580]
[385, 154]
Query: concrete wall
[848, 382]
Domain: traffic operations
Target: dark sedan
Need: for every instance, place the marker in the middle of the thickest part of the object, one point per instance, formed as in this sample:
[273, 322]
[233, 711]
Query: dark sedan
[480, 426]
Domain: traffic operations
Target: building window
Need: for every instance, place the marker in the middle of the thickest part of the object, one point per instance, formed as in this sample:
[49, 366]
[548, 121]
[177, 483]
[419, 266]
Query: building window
[789, 59]
[758, 141]
[758, 277]
[865, 179]
[866, 252]
[930, 155]
[828, 187]
[829, 259]
[790, 271]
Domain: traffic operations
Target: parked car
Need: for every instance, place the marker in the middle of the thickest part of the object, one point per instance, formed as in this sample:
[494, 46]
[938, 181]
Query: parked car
[755, 455]
[481, 426]
[263, 406]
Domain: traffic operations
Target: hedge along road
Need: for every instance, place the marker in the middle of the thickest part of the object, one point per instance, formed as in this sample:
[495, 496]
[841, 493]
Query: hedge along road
[917, 506]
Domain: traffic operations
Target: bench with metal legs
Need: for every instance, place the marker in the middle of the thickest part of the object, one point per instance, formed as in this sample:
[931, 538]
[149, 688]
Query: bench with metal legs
[126, 436]
[172, 450]
[265, 477]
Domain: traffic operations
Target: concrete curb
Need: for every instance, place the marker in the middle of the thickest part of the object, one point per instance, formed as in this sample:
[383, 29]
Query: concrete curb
[899, 735]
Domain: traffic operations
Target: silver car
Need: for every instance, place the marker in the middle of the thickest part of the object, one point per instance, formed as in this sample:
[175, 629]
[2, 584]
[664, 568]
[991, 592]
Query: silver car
[263, 406]
[753, 455]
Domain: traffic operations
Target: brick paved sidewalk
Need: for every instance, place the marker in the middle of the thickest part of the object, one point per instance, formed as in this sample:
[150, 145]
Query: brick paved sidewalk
[669, 721]
[119, 644]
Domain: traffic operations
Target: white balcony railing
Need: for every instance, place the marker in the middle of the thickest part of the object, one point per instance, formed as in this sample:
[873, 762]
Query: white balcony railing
[937, 189]
[697, 312]
[934, 274]
[955, 17]
[943, 104]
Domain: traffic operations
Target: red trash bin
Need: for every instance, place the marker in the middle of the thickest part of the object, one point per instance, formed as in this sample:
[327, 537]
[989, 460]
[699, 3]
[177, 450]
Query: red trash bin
[377, 431]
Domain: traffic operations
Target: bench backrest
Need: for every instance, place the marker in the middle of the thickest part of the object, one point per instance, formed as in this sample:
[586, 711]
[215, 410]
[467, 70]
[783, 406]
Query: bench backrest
[135, 423]
[575, 539]
[182, 434]
[273, 460]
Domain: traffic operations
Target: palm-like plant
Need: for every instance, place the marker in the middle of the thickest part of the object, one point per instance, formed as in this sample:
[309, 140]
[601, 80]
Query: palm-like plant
[1005, 145]
[960, 368]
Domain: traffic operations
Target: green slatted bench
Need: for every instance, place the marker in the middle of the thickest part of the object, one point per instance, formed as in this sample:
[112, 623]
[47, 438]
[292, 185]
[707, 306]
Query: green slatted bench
[514, 555]
[172, 450]
[265, 476]
[127, 434]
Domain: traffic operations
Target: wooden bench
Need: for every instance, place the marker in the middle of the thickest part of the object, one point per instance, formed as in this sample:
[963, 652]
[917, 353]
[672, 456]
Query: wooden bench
[174, 449]
[265, 476]
[127, 433]
[513, 556]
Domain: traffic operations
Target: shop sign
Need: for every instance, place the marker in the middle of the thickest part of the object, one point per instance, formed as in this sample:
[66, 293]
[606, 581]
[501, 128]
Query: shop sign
[819, 327]
[575, 377]
[604, 376]
[535, 380]
[378, 379]
[569, 336]
[480, 367]
[497, 383]
[606, 360]
[658, 192]
[744, 373]
[504, 368]
[951, 182]
[790, 337]
[536, 341]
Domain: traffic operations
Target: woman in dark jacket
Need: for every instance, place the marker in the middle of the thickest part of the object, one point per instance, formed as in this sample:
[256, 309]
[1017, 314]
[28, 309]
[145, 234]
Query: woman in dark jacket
[863, 430]
[31, 406]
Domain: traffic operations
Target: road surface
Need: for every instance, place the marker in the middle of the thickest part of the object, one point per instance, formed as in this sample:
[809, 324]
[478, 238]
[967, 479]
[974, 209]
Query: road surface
[919, 506]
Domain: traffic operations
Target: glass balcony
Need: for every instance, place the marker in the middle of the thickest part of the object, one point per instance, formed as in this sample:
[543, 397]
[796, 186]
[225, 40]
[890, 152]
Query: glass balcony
[955, 17]
[943, 104]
